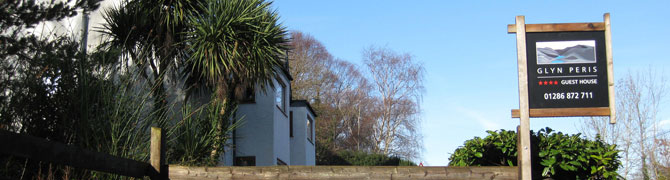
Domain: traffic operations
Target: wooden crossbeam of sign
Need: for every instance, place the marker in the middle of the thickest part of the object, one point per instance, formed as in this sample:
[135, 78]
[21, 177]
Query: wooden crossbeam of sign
[560, 27]
[565, 112]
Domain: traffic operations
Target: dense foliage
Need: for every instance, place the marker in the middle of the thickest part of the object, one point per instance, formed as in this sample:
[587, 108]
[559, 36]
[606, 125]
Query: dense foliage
[105, 99]
[554, 154]
[40, 93]
[215, 49]
[360, 158]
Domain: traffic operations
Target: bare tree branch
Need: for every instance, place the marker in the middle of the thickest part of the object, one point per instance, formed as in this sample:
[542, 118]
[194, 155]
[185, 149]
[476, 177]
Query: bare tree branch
[637, 135]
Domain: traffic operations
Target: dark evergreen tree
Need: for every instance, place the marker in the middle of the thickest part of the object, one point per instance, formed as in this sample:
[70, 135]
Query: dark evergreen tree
[40, 73]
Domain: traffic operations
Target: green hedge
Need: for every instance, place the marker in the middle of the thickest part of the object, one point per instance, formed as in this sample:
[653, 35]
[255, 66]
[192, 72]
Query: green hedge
[360, 158]
[554, 154]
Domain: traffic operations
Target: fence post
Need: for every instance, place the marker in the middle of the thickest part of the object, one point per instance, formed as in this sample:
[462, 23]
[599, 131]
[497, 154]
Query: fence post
[157, 153]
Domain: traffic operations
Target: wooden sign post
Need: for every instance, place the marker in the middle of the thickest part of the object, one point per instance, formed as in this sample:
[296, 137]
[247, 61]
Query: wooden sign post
[523, 156]
[565, 70]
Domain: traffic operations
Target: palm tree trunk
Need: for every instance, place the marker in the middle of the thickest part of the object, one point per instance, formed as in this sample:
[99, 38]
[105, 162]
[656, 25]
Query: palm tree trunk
[228, 104]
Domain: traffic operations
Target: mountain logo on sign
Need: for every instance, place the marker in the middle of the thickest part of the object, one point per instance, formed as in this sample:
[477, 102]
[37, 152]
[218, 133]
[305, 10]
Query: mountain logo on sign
[566, 52]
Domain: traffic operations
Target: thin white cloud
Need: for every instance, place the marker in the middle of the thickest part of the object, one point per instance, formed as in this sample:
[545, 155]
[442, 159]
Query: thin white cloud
[488, 123]
[664, 123]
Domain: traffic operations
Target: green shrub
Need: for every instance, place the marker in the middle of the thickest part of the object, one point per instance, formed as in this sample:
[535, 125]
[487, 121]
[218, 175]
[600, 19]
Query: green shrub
[360, 158]
[554, 154]
[197, 134]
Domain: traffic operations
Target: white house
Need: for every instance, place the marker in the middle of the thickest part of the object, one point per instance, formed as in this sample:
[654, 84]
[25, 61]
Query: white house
[275, 129]
[301, 119]
[268, 136]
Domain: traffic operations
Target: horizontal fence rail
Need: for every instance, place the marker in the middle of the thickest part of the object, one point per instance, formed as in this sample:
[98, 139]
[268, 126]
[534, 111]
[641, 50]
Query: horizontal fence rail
[344, 172]
[35, 148]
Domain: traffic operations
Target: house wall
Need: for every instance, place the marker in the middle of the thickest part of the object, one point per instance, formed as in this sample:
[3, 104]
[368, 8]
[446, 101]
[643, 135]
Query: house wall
[302, 149]
[264, 132]
[282, 142]
[299, 139]
[255, 136]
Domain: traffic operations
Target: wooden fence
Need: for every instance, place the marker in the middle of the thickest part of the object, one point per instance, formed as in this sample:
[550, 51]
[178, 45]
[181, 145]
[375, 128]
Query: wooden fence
[43, 150]
[35, 148]
[344, 172]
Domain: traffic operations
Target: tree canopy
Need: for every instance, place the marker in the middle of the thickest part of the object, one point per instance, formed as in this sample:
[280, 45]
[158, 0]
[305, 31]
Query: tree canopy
[372, 109]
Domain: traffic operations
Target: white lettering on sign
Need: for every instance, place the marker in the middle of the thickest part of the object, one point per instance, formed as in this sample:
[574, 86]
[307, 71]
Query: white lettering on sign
[588, 81]
[551, 70]
[583, 69]
[568, 95]
[571, 70]
[569, 82]
[578, 81]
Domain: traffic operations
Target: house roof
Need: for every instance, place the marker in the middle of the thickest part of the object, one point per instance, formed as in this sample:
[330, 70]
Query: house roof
[286, 73]
[303, 103]
[286, 68]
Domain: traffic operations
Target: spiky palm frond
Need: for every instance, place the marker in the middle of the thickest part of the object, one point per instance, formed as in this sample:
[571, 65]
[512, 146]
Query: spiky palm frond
[235, 43]
[128, 29]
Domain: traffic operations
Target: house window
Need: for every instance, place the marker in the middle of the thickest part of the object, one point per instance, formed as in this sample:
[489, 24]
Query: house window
[245, 161]
[290, 124]
[280, 162]
[280, 96]
[248, 96]
[310, 129]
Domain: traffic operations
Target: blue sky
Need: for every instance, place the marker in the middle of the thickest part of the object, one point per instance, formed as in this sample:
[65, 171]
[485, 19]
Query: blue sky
[470, 60]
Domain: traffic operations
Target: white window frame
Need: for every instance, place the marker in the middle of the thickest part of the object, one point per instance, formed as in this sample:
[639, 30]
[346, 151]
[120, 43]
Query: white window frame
[280, 96]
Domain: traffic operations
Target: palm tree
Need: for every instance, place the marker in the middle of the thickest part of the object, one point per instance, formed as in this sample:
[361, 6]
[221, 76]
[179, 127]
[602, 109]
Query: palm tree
[222, 44]
[149, 34]
[221, 47]
[234, 45]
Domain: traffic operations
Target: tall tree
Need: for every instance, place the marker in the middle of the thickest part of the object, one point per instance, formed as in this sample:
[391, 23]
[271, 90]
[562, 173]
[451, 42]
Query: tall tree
[218, 48]
[398, 82]
[150, 36]
[338, 91]
[348, 102]
[309, 63]
[234, 46]
[351, 97]
[40, 72]
[30, 65]
[217, 43]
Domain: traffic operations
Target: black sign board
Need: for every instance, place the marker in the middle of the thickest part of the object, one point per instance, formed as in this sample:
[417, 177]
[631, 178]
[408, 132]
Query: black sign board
[567, 69]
